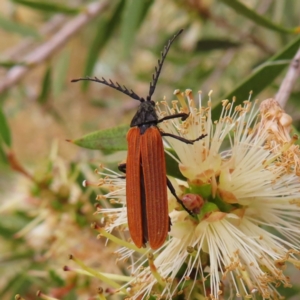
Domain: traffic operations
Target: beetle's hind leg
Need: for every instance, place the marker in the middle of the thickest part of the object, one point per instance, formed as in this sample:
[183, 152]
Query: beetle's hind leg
[173, 192]
[122, 168]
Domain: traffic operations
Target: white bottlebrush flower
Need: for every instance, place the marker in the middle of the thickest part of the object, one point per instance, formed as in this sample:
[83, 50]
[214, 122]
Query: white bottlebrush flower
[245, 177]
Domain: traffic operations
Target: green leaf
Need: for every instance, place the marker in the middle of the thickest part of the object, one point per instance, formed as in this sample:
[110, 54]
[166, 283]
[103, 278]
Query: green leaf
[105, 28]
[113, 139]
[296, 132]
[11, 63]
[4, 129]
[261, 78]
[256, 18]
[21, 283]
[3, 157]
[71, 295]
[289, 292]
[6, 232]
[107, 140]
[46, 87]
[49, 6]
[16, 256]
[13, 284]
[55, 278]
[135, 12]
[60, 72]
[15, 27]
[12, 224]
[172, 165]
[215, 44]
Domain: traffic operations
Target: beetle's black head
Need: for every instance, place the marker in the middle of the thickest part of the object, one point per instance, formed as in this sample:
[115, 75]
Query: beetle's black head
[146, 113]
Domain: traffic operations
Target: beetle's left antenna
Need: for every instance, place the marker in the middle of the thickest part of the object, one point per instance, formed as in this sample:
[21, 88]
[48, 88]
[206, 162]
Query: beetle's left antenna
[113, 85]
[155, 76]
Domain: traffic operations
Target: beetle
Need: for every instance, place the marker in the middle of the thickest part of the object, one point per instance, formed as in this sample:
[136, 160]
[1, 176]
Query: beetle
[145, 168]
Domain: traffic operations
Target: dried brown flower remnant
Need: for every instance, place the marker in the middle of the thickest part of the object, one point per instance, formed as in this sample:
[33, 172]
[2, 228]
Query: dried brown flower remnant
[278, 124]
[275, 118]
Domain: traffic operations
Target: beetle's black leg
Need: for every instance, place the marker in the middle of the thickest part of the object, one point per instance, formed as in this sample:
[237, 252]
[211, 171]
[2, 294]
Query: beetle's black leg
[183, 117]
[172, 190]
[170, 224]
[182, 139]
[122, 168]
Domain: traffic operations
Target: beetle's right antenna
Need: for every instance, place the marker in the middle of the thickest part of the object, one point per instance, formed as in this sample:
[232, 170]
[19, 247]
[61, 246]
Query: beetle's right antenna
[160, 64]
[113, 85]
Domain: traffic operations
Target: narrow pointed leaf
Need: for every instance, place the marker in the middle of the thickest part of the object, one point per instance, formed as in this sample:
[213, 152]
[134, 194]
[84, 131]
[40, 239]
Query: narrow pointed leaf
[56, 278]
[49, 6]
[134, 13]
[17, 256]
[262, 77]
[107, 140]
[10, 63]
[46, 87]
[172, 165]
[256, 18]
[4, 129]
[15, 27]
[3, 161]
[215, 44]
[114, 139]
[60, 72]
[295, 131]
[105, 27]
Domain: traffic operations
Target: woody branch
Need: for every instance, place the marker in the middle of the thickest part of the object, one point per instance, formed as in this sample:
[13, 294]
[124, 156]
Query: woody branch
[47, 49]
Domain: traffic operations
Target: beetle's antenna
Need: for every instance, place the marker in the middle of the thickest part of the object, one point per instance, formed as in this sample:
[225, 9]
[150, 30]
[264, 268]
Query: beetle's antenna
[160, 64]
[113, 85]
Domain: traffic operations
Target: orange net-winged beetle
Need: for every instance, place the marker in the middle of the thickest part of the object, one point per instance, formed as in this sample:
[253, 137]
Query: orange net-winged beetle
[145, 168]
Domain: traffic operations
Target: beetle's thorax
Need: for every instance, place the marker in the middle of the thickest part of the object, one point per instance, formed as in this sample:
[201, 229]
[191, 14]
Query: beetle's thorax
[145, 115]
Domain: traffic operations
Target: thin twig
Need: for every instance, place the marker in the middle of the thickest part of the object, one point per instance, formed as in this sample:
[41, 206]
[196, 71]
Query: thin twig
[58, 40]
[247, 33]
[288, 82]
[17, 52]
[229, 54]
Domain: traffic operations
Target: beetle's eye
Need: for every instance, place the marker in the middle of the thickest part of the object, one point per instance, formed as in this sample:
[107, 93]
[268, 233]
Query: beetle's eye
[152, 102]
